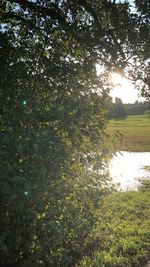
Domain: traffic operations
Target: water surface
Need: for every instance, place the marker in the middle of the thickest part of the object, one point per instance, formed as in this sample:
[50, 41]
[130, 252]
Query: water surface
[126, 168]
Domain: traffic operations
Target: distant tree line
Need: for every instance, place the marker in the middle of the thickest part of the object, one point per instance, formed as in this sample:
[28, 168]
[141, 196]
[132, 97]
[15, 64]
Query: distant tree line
[117, 110]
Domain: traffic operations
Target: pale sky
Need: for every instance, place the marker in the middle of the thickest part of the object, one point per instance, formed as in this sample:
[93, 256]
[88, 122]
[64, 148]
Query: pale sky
[127, 94]
[124, 89]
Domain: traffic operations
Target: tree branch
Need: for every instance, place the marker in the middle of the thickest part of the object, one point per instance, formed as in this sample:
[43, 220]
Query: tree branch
[51, 11]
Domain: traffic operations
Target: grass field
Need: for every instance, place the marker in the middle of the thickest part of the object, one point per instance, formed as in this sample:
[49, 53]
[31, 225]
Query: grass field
[122, 235]
[133, 132]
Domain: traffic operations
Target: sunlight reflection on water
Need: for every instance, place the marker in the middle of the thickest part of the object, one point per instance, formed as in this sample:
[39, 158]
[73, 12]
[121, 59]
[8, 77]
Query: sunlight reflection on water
[126, 168]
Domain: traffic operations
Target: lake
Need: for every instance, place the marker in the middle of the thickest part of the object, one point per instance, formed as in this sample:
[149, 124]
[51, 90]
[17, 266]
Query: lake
[126, 168]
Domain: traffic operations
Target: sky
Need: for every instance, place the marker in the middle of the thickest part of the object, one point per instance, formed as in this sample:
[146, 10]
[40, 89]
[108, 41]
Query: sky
[124, 89]
[127, 94]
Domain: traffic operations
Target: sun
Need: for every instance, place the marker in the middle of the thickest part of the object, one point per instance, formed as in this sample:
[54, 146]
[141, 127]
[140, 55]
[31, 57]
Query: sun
[116, 78]
[123, 89]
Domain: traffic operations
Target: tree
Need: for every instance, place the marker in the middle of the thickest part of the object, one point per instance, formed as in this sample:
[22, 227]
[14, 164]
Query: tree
[119, 110]
[50, 137]
[53, 122]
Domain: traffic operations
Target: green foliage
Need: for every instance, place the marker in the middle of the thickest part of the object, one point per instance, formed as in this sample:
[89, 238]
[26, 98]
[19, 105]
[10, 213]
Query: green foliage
[145, 183]
[48, 197]
[53, 120]
[122, 233]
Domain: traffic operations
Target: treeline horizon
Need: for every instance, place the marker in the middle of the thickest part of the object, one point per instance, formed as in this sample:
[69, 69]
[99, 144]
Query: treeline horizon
[121, 110]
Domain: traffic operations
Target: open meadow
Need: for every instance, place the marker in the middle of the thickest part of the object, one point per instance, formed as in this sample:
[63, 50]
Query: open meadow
[122, 235]
[133, 132]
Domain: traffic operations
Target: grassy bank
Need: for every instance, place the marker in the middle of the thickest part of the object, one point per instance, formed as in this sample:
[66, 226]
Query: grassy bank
[122, 235]
[133, 132]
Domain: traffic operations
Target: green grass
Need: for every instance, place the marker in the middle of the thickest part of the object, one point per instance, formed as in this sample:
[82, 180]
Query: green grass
[122, 235]
[134, 132]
